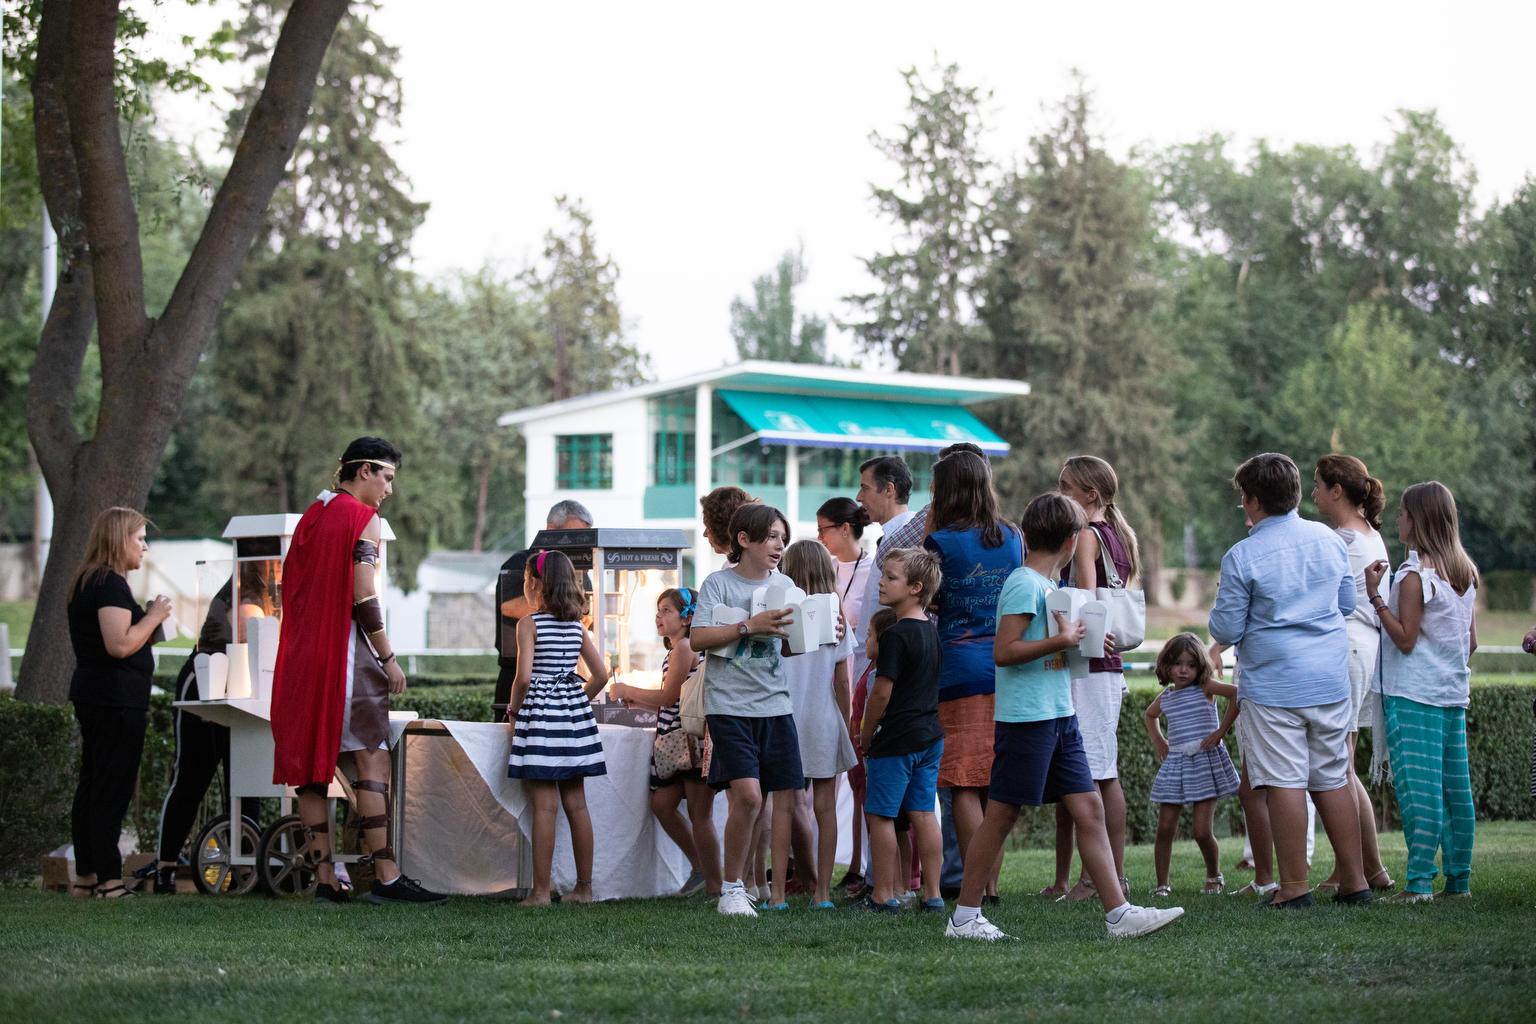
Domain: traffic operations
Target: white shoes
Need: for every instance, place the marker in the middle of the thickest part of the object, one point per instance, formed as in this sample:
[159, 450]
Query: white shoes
[978, 928]
[1139, 921]
[735, 902]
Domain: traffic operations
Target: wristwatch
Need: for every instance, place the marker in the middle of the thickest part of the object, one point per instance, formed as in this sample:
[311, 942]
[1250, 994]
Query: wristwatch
[742, 630]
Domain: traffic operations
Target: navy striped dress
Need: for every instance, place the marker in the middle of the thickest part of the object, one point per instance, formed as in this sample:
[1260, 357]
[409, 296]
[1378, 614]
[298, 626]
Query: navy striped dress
[555, 735]
[1188, 774]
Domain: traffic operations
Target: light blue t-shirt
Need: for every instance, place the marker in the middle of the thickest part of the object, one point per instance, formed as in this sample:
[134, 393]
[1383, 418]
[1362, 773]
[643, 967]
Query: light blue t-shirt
[1039, 690]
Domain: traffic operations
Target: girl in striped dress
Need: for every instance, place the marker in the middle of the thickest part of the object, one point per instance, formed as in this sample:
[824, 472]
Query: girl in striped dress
[555, 743]
[1196, 767]
[1426, 682]
[678, 760]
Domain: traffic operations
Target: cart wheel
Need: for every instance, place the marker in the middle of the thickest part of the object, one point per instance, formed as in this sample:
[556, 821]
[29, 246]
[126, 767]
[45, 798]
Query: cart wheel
[213, 868]
[281, 868]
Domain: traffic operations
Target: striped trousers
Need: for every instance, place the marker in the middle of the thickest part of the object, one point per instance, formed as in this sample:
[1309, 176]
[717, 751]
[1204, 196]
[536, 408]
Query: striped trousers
[1427, 747]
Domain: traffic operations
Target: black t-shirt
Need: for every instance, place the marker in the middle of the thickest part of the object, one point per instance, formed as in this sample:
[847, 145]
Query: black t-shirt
[509, 586]
[100, 678]
[909, 658]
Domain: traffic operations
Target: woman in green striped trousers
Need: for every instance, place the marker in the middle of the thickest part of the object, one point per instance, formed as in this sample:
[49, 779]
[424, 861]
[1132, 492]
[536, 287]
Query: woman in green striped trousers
[1426, 686]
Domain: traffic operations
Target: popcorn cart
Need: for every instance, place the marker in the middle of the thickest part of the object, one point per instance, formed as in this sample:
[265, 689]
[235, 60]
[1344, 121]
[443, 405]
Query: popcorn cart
[627, 570]
[235, 690]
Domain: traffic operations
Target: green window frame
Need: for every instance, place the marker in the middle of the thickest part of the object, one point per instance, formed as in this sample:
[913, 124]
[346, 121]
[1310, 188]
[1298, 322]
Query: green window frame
[748, 465]
[584, 462]
[838, 469]
[672, 433]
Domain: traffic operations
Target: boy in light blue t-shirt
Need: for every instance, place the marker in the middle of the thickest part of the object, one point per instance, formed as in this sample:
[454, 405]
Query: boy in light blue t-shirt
[1037, 754]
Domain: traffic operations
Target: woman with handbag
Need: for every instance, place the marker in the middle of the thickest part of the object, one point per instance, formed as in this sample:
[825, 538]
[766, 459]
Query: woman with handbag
[1107, 556]
[677, 758]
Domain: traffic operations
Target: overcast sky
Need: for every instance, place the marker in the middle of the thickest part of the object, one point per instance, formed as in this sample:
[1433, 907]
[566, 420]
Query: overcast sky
[706, 139]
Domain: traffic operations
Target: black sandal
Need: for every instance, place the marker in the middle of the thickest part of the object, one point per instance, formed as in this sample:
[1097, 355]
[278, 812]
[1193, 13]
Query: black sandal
[90, 890]
[115, 892]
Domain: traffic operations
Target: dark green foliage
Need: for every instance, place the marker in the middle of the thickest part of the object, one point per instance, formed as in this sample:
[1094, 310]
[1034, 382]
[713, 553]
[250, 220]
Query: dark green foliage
[768, 328]
[39, 756]
[1507, 590]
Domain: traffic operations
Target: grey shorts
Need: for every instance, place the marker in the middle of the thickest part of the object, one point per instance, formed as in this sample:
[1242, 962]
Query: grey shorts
[1296, 748]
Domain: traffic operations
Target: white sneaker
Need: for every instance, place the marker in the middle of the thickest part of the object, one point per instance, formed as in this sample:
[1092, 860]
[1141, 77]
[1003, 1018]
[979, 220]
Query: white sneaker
[735, 902]
[1139, 921]
[978, 928]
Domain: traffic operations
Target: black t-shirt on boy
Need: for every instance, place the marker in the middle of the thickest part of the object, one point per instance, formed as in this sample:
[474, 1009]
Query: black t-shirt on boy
[909, 658]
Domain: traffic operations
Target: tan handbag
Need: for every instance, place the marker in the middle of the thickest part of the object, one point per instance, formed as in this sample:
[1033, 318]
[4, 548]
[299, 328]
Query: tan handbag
[691, 703]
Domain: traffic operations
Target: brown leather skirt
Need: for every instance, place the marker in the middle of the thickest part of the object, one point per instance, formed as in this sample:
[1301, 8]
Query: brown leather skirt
[968, 732]
[367, 725]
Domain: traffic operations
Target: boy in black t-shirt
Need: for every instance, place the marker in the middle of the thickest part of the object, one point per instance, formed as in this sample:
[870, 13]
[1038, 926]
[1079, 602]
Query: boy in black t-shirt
[901, 736]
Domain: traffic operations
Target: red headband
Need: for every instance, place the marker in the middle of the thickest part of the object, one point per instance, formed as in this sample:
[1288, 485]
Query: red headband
[538, 564]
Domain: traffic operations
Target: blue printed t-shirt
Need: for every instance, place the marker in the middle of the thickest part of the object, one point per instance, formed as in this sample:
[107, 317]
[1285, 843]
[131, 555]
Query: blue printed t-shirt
[1039, 690]
[967, 606]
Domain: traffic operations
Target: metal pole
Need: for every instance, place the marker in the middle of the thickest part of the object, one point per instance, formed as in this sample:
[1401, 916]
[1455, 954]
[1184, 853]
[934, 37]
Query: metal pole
[42, 505]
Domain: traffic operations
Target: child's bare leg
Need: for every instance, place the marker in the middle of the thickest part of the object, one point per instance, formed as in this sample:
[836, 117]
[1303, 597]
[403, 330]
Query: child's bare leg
[1063, 850]
[761, 837]
[546, 804]
[930, 850]
[806, 874]
[1167, 829]
[573, 795]
[706, 843]
[1113, 798]
[882, 857]
[1205, 837]
[745, 801]
[664, 805]
[903, 860]
[1093, 842]
[824, 795]
[981, 855]
[783, 833]
[856, 857]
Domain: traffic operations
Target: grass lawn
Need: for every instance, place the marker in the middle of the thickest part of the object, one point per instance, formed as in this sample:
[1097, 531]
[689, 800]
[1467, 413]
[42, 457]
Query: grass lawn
[203, 958]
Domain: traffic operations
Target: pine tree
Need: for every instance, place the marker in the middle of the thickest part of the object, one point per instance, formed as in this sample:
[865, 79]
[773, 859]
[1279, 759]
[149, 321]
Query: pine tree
[768, 328]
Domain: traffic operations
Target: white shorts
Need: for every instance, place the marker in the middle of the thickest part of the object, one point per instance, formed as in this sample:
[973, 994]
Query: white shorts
[1096, 698]
[1362, 668]
[1296, 748]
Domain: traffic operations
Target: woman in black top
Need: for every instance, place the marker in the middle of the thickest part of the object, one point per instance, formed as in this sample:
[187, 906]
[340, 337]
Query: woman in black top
[111, 636]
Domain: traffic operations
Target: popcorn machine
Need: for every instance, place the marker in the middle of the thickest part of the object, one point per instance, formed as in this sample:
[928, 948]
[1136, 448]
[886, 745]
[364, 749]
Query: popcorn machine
[626, 571]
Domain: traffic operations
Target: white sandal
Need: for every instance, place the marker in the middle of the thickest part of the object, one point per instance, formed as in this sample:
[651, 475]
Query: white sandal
[1162, 892]
[1214, 885]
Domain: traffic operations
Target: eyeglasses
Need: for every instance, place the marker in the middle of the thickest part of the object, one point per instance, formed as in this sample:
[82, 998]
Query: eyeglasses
[823, 529]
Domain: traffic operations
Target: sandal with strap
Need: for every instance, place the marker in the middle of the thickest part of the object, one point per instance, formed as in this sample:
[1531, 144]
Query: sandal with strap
[115, 892]
[1053, 891]
[1381, 886]
[1214, 885]
[1082, 892]
[1162, 892]
[89, 890]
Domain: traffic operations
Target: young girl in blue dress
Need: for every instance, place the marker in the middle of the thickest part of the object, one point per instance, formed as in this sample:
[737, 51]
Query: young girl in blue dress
[555, 743]
[1196, 768]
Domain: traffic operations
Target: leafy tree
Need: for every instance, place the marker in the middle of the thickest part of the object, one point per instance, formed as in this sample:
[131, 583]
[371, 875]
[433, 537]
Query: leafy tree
[146, 361]
[574, 291]
[1074, 307]
[768, 328]
[922, 312]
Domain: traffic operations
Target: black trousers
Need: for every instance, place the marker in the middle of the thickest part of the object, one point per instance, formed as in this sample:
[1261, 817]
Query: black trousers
[111, 743]
[201, 749]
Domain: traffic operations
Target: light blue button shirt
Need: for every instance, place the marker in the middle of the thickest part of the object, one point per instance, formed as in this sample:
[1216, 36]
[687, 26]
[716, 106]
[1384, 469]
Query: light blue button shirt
[1283, 596]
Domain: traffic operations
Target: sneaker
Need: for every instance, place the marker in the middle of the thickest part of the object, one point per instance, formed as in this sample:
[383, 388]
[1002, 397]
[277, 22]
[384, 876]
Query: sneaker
[405, 890]
[890, 906]
[694, 884]
[906, 899]
[332, 893]
[735, 901]
[850, 878]
[935, 905]
[1404, 896]
[857, 891]
[775, 906]
[977, 928]
[1139, 921]
[823, 905]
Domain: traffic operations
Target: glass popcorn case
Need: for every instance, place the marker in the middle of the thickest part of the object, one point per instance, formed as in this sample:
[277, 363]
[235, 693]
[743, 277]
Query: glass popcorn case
[626, 572]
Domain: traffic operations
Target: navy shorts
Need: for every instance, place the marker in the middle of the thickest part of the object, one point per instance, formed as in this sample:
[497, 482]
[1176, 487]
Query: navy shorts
[765, 749]
[903, 782]
[1036, 763]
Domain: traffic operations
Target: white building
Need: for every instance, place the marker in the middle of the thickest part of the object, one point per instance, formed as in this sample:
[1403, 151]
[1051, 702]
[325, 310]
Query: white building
[792, 434]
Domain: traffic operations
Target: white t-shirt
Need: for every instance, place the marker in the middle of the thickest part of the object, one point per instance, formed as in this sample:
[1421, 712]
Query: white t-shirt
[1364, 548]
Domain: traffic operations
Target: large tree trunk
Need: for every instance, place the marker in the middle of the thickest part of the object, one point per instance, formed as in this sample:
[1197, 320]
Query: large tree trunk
[146, 363]
[482, 500]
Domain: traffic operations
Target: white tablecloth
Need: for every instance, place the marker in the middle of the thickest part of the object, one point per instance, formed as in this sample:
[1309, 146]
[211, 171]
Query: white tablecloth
[465, 830]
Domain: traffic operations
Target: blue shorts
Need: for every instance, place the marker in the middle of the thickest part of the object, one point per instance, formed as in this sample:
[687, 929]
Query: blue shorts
[1036, 763]
[765, 749]
[903, 782]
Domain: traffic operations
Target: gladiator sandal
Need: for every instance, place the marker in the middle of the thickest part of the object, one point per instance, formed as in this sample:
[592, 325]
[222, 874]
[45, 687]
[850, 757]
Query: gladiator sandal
[325, 892]
[402, 889]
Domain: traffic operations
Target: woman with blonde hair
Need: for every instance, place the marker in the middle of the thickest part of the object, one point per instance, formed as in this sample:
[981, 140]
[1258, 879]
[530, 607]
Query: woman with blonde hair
[111, 636]
[1092, 483]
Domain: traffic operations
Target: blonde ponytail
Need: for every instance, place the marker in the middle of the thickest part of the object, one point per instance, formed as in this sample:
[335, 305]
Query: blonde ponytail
[1127, 537]
[1093, 473]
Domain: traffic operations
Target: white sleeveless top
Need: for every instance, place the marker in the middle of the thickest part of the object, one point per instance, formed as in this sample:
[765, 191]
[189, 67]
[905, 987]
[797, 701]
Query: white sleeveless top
[1436, 671]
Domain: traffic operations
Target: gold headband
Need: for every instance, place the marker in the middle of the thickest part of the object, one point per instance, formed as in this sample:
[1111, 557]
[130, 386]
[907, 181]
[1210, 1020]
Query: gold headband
[336, 476]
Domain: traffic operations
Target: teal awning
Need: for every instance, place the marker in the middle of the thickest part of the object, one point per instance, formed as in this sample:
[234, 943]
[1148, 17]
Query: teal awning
[831, 422]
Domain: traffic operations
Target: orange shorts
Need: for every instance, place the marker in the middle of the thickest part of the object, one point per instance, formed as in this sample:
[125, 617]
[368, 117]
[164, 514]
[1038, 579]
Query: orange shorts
[968, 734]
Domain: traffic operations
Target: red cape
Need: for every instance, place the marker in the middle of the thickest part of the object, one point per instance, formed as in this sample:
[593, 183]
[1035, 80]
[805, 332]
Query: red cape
[309, 684]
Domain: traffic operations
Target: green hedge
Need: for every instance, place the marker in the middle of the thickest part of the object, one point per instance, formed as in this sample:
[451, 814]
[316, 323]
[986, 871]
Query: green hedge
[39, 757]
[1507, 590]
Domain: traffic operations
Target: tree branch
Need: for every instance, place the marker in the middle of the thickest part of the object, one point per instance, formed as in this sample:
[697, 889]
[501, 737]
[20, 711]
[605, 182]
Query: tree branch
[106, 201]
[261, 158]
[66, 333]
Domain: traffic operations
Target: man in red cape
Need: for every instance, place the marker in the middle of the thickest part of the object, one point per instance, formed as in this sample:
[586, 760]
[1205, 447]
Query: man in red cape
[336, 669]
